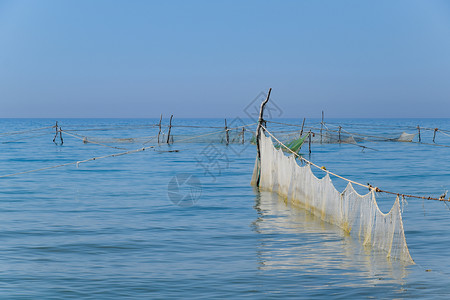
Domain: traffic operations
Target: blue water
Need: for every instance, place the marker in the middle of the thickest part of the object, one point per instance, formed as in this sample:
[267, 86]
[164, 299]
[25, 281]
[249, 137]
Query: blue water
[108, 229]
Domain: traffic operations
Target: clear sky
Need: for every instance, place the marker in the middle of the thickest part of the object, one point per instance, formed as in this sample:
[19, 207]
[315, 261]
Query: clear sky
[211, 58]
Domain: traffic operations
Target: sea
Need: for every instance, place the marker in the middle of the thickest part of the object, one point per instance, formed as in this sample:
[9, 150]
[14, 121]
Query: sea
[181, 220]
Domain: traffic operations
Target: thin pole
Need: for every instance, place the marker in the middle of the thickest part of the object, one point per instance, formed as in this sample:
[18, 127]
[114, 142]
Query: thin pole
[418, 129]
[340, 134]
[321, 127]
[434, 134]
[56, 132]
[60, 136]
[159, 125]
[170, 127]
[243, 135]
[226, 132]
[303, 125]
[309, 142]
[258, 133]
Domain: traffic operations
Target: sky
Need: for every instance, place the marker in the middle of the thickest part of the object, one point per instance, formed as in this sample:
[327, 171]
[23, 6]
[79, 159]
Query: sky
[122, 59]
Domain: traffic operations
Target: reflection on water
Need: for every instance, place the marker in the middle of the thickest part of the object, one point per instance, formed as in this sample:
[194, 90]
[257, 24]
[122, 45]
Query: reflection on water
[292, 238]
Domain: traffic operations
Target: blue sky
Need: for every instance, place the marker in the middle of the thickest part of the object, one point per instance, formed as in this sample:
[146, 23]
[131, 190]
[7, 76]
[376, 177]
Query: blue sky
[211, 58]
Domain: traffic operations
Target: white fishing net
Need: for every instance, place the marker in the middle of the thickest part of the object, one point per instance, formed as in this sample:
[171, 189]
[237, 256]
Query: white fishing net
[357, 214]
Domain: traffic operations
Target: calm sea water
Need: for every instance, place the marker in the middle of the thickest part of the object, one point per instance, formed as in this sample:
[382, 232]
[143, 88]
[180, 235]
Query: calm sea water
[111, 229]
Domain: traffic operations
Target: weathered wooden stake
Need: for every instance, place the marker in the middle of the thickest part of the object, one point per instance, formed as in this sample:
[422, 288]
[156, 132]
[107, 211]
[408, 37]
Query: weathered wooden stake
[321, 127]
[170, 127]
[159, 125]
[418, 129]
[303, 125]
[56, 132]
[60, 135]
[434, 134]
[309, 142]
[258, 134]
[243, 135]
[226, 132]
[340, 134]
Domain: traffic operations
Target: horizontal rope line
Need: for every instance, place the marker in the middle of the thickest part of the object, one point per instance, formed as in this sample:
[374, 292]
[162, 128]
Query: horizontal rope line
[86, 140]
[26, 131]
[78, 162]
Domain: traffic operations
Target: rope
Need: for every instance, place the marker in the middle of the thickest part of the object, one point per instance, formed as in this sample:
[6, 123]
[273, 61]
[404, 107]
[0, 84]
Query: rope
[26, 131]
[140, 126]
[443, 132]
[77, 162]
[371, 188]
[85, 140]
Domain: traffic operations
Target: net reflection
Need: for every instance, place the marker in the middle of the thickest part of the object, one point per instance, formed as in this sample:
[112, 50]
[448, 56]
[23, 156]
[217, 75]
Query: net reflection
[293, 239]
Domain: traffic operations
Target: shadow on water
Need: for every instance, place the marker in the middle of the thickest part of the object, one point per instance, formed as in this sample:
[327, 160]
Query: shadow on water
[291, 238]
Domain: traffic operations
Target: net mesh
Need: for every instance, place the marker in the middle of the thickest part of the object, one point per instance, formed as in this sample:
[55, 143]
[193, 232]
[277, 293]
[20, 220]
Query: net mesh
[356, 214]
[328, 136]
[231, 136]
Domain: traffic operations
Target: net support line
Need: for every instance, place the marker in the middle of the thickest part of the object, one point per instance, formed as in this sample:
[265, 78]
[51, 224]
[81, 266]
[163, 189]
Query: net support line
[26, 131]
[370, 187]
[77, 163]
[86, 140]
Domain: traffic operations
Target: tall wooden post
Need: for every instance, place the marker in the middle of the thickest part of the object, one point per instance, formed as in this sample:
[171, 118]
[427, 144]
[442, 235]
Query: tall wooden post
[321, 127]
[418, 129]
[56, 132]
[309, 142]
[226, 133]
[159, 125]
[303, 125]
[258, 134]
[340, 134]
[170, 127]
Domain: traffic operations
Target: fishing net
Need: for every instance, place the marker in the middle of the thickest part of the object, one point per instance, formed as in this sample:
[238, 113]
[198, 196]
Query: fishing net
[356, 214]
[230, 136]
[327, 136]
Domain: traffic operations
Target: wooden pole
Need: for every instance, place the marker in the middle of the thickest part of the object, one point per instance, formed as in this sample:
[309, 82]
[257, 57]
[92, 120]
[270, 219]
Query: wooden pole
[340, 134]
[258, 134]
[159, 125]
[418, 129]
[309, 142]
[434, 134]
[60, 136]
[226, 132]
[321, 127]
[56, 132]
[243, 135]
[303, 125]
[170, 127]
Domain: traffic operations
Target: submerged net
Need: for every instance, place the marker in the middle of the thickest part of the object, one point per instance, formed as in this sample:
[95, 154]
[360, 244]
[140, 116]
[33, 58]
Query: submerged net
[356, 214]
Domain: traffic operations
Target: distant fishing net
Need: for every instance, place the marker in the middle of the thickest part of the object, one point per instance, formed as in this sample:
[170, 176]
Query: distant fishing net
[335, 137]
[232, 136]
[357, 214]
